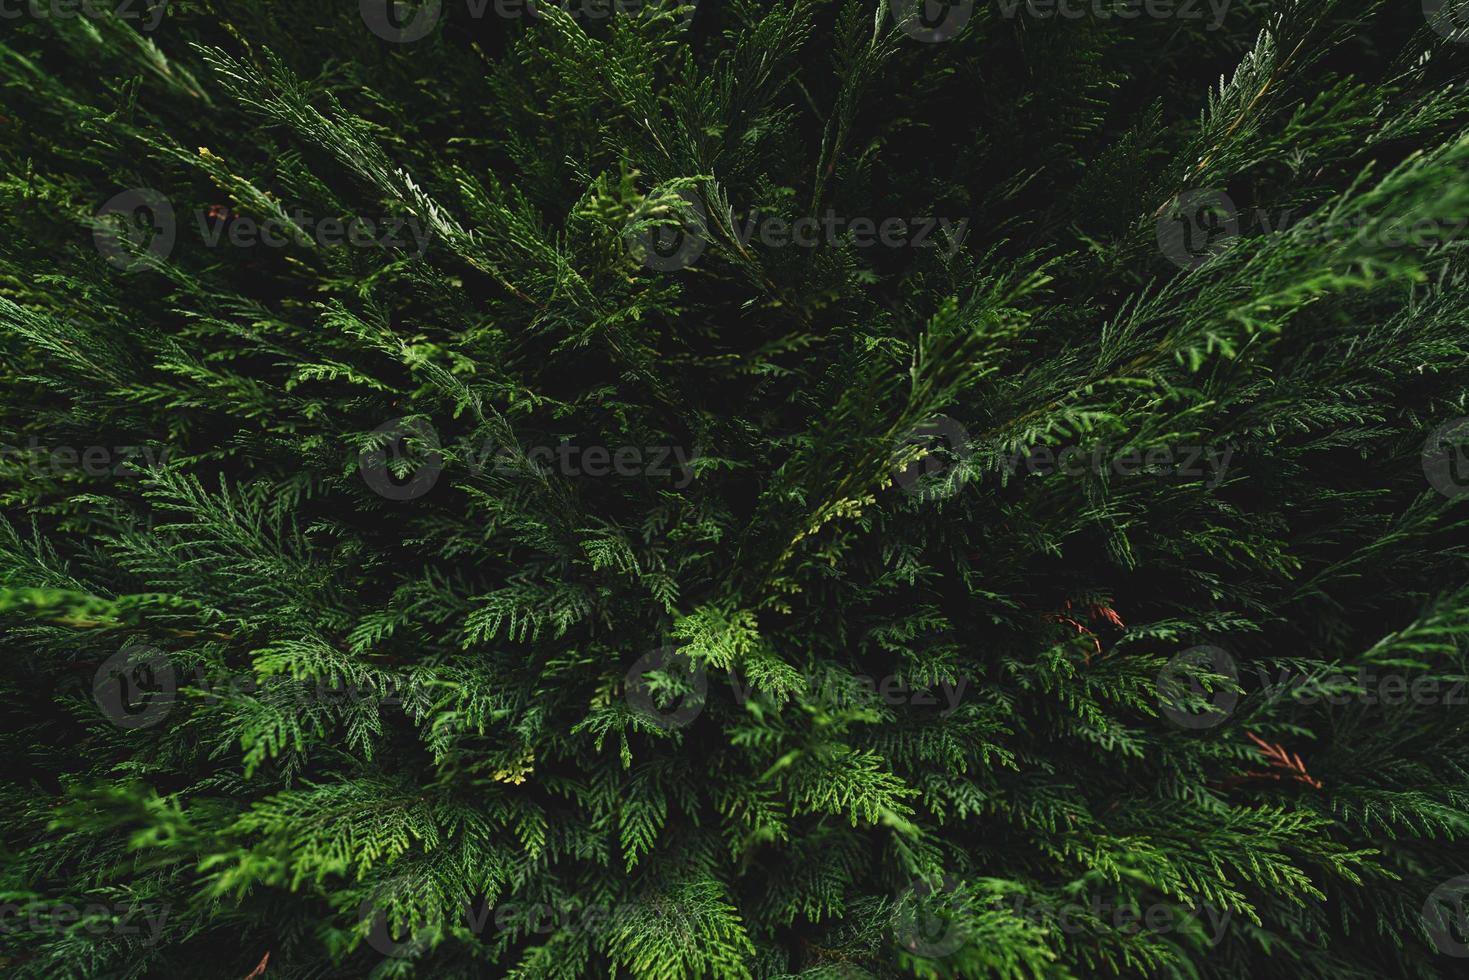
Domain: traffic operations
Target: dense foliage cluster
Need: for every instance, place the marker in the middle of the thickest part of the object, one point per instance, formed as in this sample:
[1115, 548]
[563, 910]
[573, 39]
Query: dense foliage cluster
[822, 488]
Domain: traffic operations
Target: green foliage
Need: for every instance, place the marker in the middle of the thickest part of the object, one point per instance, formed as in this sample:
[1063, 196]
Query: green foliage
[453, 580]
